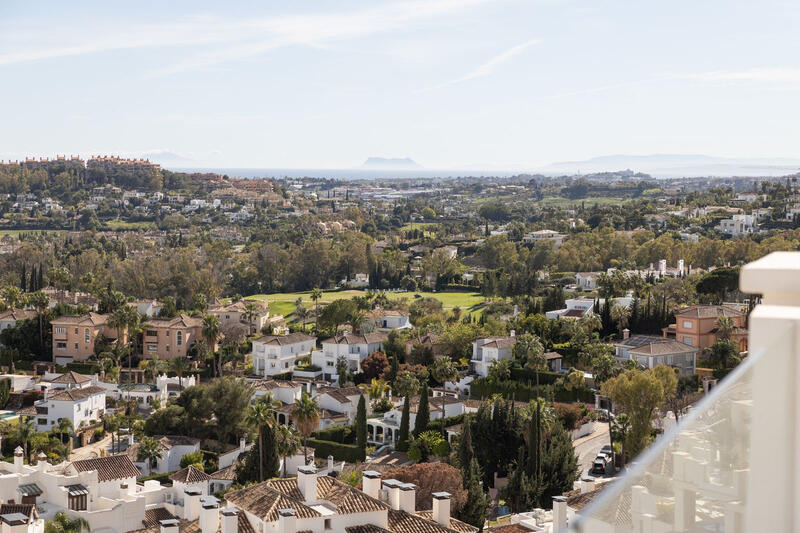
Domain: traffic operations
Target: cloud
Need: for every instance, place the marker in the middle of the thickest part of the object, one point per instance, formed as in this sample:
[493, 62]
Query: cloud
[222, 39]
[775, 78]
[488, 67]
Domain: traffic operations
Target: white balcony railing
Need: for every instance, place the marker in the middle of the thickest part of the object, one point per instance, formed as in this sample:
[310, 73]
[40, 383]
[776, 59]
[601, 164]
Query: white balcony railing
[733, 463]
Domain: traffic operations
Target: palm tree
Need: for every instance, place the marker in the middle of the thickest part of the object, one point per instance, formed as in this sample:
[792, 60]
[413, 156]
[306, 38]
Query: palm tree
[251, 311]
[356, 320]
[301, 311]
[150, 450]
[376, 388]
[63, 524]
[64, 427]
[261, 413]
[24, 432]
[287, 444]
[620, 314]
[306, 416]
[40, 302]
[180, 365]
[210, 334]
[12, 296]
[316, 295]
[153, 367]
[725, 327]
[111, 424]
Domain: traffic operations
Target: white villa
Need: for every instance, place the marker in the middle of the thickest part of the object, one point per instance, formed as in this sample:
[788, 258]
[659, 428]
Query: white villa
[275, 354]
[487, 350]
[354, 348]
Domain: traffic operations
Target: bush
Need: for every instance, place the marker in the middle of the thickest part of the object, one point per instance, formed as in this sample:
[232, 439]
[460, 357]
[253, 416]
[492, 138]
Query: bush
[340, 434]
[569, 414]
[527, 374]
[87, 369]
[340, 452]
[195, 459]
[525, 392]
[448, 422]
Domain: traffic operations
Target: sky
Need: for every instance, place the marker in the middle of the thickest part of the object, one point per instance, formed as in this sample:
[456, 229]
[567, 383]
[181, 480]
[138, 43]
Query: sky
[450, 84]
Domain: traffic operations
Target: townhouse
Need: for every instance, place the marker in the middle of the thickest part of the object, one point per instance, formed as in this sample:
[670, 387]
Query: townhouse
[74, 336]
[353, 348]
[237, 312]
[697, 326]
[275, 354]
[171, 337]
[487, 350]
[649, 352]
[10, 317]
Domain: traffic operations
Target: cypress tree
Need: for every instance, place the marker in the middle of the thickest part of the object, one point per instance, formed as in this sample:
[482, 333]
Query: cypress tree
[465, 452]
[23, 279]
[559, 466]
[402, 439]
[474, 510]
[423, 411]
[32, 282]
[361, 423]
[535, 443]
[247, 471]
[40, 279]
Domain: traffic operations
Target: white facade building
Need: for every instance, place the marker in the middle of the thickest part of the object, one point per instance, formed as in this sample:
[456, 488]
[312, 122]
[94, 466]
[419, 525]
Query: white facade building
[275, 354]
[487, 350]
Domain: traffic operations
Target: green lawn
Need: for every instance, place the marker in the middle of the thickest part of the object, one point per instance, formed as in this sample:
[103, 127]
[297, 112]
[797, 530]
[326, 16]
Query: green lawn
[559, 201]
[123, 225]
[284, 303]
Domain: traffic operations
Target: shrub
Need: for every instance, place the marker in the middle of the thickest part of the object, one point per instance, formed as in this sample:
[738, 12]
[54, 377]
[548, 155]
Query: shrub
[569, 414]
[340, 452]
[340, 434]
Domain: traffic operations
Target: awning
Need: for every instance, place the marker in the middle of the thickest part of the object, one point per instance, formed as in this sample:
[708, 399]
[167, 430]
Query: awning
[77, 490]
[30, 489]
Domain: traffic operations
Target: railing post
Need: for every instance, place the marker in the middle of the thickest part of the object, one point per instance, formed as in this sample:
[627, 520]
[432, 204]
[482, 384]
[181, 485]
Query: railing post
[774, 483]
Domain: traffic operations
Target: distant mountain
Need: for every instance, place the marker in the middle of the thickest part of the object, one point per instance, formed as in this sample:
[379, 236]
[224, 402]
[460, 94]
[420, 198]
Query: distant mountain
[390, 163]
[680, 165]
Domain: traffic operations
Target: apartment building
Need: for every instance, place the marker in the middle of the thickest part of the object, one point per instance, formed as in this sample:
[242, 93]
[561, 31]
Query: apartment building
[354, 348]
[74, 336]
[275, 354]
[697, 326]
[171, 337]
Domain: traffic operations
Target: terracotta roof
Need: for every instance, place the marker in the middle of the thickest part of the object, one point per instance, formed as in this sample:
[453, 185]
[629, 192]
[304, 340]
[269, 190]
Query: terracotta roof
[553, 355]
[28, 509]
[94, 319]
[265, 502]
[663, 347]
[367, 528]
[180, 321]
[152, 517]
[342, 395]
[709, 311]
[369, 338]
[455, 524]
[578, 313]
[403, 522]
[190, 474]
[17, 314]
[271, 384]
[73, 395]
[71, 378]
[185, 526]
[497, 342]
[108, 468]
[225, 474]
[285, 340]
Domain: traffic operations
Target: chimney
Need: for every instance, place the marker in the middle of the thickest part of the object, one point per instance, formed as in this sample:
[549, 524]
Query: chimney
[371, 482]
[587, 485]
[41, 462]
[229, 520]
[441, 508]
[392, 486]
[287, 521]
[307, 482]
[191, 504]
[559, 514]
[130, 438]
[209, 514]
[19, 459]
[169, 526]
[626, 334]
[513, 332]
[408, 497]
[123, 490]
[330, 464]
[242, 445]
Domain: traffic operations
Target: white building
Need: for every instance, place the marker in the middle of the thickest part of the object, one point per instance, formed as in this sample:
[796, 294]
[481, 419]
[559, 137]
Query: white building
[275, 354]
[388, 320]
[386, 428]
[545, 235]
[487, 350]
[10, 317]
[81, 406]
[576, 308]
[738, 225]
[650, 352]
[354, 349]
[587, 280]
[173, 448]
[341, 400]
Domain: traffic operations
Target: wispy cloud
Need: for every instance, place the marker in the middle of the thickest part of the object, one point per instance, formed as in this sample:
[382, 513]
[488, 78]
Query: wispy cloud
[223, 39]
[488, 67]
[758, 75]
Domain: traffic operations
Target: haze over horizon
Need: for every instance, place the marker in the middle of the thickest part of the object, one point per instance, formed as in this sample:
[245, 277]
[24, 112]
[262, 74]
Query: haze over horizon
[450, 84]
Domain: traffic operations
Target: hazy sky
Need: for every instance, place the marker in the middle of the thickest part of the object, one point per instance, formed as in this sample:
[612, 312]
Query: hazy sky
[451, 84]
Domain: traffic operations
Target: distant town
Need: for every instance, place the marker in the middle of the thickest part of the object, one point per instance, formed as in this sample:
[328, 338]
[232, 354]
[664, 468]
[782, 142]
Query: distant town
[195, 352]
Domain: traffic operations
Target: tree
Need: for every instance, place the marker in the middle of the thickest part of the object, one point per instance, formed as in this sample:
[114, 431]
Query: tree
[361, 423]
[24, 432]
[260, 414]
[374, 365]
[12, 296]
[62, 523]
[252, 310]
[306, 416]
[620, 314]
[423, 411]
[638, 393]
[150, 451]
[286, 442]
[474, 510]
[465, 451]
[559, 465]
[574, 381]
[210, 333]
[522, 492]
[40, 302]
[180, 365]
[444, 370]
[5, 391]
[430, 478]
[725, 327]
[529, 350]
[500, 370]
[406, 384]
[316, 296]
[724, 353]
[402, 440]
[262, 461]
[227, 399]
[64, 427]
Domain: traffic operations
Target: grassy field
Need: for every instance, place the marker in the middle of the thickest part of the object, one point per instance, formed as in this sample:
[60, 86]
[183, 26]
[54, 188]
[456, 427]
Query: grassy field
[284, 303]
[419, 225]
[16, 232]
[123, 225]
[559, 201]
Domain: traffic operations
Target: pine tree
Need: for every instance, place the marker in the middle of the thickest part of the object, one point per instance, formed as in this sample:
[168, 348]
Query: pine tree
[361, 423]
[522, 492]
[423, 411]
[402, 440]
[474, 510]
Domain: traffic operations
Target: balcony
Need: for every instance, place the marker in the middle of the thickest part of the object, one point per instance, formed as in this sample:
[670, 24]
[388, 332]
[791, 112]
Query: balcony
[733, 463]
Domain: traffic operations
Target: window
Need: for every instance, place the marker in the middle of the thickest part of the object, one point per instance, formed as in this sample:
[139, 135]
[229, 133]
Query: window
[41, 421]
[328, 363]
[179, 338]
[61, 330]
[687, 340]
[153, 333]
[87, 337]
[152, 348]
[76, 331]
[76, 345]
[687, 324]
[77, 502]
[61, 345]
[327, 523]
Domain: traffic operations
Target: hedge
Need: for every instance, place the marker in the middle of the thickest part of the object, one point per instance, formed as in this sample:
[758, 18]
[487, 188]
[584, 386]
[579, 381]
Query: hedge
[339, 434]
[436, 425]
[527, 374]
[87, 369]
[340, 452]
[525, 392]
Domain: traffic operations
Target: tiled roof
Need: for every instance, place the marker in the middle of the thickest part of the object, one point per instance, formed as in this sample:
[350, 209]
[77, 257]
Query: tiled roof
[225, 474]
[367, 528]
[73, 395]
[497, 342]
[17, 314]
[284, 340]
[265, 502]
[342, 395]
[180, 321]
[663, 347]
[271, 384]
[403, 522]
[369, 338]
[190, 474]
[709, 311]
[455, 524]
[553, 355]
[94, 319]
[152, 517]
[108, 468]
[71, 378]
[28, 509]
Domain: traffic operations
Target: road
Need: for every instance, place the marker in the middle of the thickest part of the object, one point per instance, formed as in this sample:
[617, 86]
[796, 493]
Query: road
[587, 448]
[91, 450]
